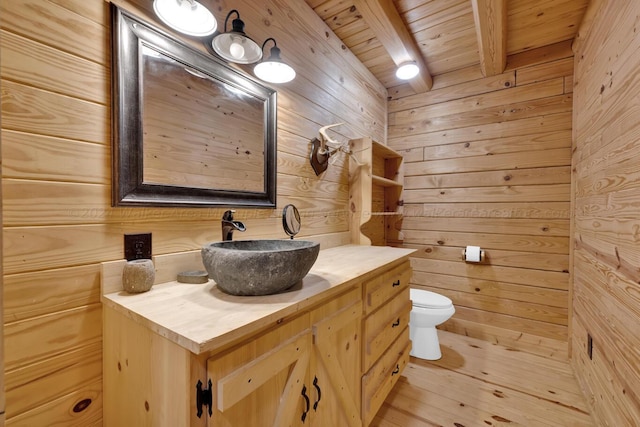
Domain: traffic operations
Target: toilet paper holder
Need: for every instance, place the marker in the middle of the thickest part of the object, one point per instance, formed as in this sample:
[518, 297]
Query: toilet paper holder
[464, 256]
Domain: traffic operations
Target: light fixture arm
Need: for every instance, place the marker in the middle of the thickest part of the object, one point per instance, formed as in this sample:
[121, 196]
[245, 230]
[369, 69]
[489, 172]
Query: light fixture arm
[265, 42]
[274, 53]
[226, 20]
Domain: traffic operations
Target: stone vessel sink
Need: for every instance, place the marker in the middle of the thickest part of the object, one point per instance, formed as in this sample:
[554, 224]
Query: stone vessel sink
[258, 267]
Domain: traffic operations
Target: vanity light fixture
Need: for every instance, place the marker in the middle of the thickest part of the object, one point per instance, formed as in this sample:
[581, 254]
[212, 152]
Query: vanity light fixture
[273, 70]
[407, 70]
[186, 16]
[235, 45]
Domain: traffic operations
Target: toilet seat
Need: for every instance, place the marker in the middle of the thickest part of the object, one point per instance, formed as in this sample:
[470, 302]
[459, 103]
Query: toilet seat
[428, 299]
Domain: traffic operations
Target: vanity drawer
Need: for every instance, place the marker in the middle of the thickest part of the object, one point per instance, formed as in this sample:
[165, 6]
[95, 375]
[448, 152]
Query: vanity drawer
[384, 326]
[379, 381]
[381, 289]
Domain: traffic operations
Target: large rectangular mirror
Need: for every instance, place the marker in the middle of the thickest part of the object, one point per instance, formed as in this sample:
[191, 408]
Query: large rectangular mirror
[188, 130]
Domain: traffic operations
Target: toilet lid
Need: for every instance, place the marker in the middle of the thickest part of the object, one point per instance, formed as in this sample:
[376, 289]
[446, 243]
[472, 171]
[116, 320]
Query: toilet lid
[428, 299]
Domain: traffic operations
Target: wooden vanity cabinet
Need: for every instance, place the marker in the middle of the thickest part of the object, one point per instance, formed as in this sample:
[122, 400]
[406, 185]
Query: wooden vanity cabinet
[331, 363]
[305, 372]
[151, 381]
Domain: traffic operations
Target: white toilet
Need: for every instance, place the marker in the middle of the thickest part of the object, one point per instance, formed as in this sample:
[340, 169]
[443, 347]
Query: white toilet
[429, 310]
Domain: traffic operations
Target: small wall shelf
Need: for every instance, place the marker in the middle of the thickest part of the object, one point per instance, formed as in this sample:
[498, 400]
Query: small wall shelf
[385, 182]
[376, 182]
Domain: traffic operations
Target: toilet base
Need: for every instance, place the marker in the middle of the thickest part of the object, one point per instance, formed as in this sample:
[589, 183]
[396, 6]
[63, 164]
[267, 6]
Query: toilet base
[425, 344]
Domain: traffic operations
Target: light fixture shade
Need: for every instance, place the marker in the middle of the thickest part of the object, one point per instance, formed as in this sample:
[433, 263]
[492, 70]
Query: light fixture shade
[407, 70]
[273, 70]
[235, 45]
[186, 16]
[236, 48]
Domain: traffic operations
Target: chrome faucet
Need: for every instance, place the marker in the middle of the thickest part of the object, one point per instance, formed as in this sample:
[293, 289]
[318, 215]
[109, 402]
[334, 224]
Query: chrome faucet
[229, 225]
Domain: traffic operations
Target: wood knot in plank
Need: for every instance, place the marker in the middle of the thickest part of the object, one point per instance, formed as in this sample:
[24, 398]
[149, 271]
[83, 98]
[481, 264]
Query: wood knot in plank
[81, 405]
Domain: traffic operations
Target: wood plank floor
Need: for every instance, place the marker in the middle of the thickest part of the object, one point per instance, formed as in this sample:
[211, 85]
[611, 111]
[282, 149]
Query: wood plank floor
[477, 383]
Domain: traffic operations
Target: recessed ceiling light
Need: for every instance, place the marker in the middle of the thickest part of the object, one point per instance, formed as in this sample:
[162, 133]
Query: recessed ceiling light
[407, 70]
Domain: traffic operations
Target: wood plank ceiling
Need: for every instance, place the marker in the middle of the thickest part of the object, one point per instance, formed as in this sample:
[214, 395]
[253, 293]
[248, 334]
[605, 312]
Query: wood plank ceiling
[446, 35]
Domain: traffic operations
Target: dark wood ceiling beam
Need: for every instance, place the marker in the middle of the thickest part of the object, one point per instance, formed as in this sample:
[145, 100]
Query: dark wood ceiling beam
[490, 17]
[387, 24]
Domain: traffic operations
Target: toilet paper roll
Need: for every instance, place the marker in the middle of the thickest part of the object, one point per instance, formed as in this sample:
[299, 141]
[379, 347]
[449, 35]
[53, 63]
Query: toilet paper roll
[473, 254]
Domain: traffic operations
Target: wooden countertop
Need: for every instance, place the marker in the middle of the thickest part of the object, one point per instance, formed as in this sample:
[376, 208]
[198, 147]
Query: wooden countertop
[201, 318]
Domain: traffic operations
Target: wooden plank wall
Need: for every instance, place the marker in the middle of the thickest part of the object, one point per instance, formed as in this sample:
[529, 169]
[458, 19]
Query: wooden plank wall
[2, 399]
[487, 163]
[606, 255]
[58, 222]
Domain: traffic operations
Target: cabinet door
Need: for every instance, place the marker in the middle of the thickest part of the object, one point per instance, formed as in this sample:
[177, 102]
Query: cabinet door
[260, 383]
[336, 362]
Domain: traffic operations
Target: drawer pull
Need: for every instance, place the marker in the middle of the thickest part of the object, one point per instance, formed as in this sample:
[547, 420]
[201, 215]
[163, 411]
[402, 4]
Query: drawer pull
[396, 371]
[396, 283]
[307, 403]
[315, 384]
[396, 323]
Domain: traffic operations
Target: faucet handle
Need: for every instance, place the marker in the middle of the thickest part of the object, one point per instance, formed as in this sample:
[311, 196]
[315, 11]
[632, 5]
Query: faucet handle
[228, 215]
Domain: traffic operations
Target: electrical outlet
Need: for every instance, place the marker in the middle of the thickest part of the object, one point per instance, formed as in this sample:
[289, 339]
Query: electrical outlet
[590, 346]
[137, 246]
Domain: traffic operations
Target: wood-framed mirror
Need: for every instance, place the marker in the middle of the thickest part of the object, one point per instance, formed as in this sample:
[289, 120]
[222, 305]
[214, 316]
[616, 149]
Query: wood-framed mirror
[188, 129]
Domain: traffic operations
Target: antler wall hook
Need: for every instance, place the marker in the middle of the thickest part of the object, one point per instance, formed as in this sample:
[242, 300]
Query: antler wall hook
[323, 148]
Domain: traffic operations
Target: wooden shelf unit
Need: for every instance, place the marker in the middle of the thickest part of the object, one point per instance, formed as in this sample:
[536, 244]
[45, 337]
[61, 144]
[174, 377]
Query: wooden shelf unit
[376, 180]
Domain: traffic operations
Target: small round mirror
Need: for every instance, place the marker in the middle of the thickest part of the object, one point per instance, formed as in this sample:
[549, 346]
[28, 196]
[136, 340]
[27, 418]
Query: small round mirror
[291, 220]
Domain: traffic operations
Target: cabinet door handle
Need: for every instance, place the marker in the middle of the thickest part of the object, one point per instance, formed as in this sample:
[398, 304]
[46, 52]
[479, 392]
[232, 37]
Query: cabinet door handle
[396, 323]
[396, 283]
[307, 403]
[396, 371]
[315, 384]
